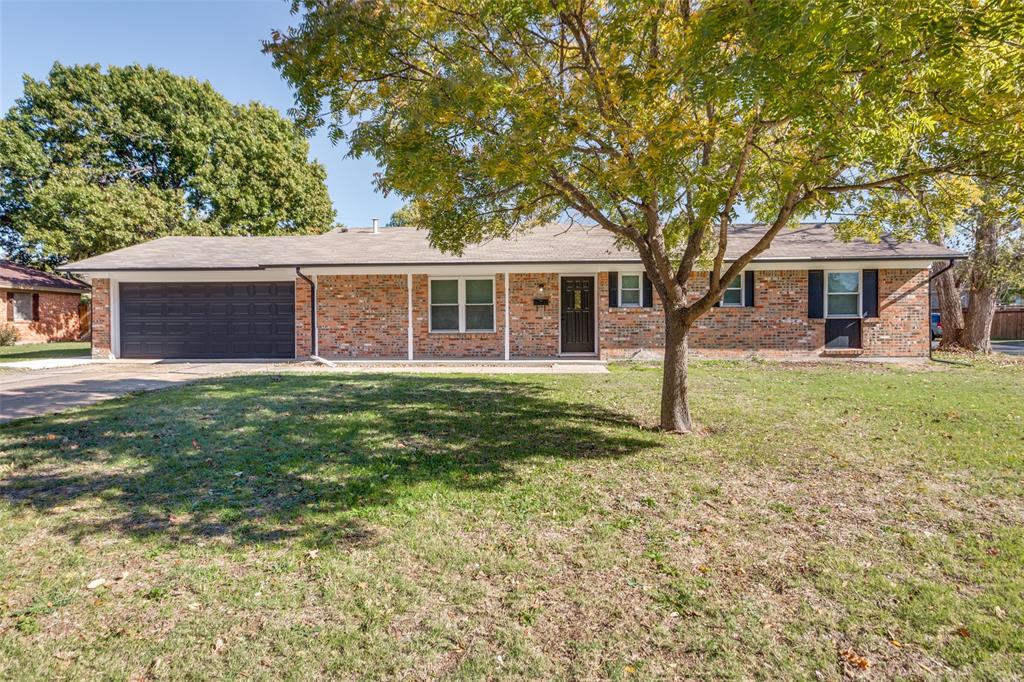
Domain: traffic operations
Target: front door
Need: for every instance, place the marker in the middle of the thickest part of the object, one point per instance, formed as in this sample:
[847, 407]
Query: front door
[577, 314]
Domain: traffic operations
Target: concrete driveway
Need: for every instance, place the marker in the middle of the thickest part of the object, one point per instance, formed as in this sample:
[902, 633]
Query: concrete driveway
[31, 393]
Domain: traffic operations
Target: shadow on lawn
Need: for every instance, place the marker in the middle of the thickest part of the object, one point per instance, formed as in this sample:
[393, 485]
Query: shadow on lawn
[267, 458]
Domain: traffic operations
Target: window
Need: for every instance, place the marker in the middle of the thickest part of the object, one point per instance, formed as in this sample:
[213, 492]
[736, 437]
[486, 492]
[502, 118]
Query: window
[479, 305]
[22, 304]
[842, 294]
[733, 296]
[444, 305]
[464, 304]
[630, 291]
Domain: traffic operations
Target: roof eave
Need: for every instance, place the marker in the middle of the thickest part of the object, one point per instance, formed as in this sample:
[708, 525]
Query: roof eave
[577, 261]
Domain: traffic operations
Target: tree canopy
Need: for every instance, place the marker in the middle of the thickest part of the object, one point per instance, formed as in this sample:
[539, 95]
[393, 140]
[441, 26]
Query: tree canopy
[405, 216]
[94, 160]
[659, 120]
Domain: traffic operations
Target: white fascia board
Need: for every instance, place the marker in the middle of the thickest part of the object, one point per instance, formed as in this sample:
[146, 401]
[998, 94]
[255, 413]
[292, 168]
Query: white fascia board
[836, 264]
[589, 268]
[470, 269]
[173, 276]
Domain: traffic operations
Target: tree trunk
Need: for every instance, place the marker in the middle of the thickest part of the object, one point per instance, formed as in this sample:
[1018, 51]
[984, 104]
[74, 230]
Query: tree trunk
[977, 333]
[675, 399]
[982, 294]
[950, 308]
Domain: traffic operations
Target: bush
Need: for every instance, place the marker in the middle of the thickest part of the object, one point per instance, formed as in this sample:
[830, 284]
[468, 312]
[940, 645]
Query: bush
[8, 335]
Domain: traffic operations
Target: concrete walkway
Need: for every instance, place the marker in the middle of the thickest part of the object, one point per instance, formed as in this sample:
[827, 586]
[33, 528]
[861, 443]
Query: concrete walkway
[49, 389]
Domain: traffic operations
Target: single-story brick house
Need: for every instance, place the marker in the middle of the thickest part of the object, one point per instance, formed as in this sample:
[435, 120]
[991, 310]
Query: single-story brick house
[41, 306]
[552, 292]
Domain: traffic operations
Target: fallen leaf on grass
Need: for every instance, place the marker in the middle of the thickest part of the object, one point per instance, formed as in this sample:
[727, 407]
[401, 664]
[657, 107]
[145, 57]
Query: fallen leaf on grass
[220, 645]
[96, 584]
[963, 632]
[855, 659]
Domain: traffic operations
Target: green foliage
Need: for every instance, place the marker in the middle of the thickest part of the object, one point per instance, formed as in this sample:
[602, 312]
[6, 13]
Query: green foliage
[406, 216]
[1000, 265]
[93, 161]
[658, 120]
[8, 335]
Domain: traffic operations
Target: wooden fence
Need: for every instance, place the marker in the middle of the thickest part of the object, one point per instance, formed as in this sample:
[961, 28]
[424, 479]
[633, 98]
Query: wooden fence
[1008, 323]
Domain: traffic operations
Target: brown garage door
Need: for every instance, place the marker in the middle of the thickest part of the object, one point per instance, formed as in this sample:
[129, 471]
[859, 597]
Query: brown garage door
[208, 320]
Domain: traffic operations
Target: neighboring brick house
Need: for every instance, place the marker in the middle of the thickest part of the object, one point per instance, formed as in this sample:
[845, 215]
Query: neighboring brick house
[555, 291]
[41, 306]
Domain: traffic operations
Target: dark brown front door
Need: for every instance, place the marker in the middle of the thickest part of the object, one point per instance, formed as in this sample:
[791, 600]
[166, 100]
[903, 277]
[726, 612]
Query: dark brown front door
[577, 314]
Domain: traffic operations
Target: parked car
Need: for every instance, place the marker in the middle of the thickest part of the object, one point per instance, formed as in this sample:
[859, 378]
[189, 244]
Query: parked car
[936, 326]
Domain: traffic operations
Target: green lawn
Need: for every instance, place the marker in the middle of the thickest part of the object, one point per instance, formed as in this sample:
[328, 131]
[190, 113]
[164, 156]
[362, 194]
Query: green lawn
[41, 351]
[830, 521]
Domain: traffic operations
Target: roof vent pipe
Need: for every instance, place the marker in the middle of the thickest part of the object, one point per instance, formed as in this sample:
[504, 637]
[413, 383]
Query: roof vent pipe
[376, 228]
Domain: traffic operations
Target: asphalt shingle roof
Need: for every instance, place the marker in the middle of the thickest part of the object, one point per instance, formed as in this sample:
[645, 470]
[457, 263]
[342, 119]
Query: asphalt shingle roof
[14, 276]
[408, 246]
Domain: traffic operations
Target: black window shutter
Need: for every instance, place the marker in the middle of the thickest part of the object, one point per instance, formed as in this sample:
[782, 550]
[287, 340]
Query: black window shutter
[648, 292]
[35, 307]
[613, 290]
[815, 294]
[869, 307]
[748, 287]
[711, 278]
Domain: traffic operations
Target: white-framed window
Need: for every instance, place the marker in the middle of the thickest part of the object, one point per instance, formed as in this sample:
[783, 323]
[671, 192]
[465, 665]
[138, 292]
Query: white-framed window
[631, 290]
[461, 304]
[22, 305]
[842, 293]
[732, 295]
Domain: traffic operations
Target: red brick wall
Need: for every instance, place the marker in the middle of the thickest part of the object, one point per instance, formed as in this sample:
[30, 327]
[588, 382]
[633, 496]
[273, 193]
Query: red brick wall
[101, 319]
[58, 318]
[901, 328]
[303, 324]
[777, 325]
[365, 316]
[534, 328]
[625, 332]
[362, 316]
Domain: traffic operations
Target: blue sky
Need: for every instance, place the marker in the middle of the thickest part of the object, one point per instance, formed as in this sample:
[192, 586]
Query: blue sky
[214, 40]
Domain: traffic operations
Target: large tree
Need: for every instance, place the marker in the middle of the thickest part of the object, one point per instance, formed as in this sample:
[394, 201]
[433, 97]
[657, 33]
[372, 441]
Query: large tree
[656, 120]
[992, 235]
[980, 216]
[94, 160]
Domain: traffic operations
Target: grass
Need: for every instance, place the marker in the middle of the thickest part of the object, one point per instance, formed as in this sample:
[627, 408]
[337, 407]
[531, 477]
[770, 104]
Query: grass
[832, 521]
[41, 351]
